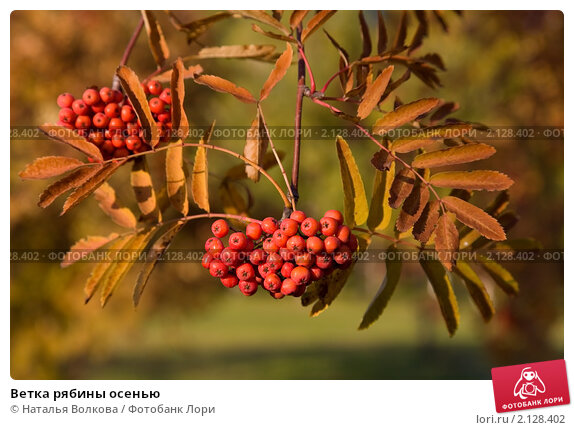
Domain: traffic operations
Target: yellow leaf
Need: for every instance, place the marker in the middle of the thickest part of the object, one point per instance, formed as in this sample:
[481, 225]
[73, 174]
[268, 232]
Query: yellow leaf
[156, 40]
[404, 114]
[379, 210]
[355, 199]
[281, 66]
[476, 289]
[108, 202]
[224, 86]
[142, 185]
[84, 247]
[374, 92]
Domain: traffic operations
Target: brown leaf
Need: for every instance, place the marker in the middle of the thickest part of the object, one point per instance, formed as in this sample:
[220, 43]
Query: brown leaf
[255, 146]
[156, 40]
[422, 31]
[427, 222]
[374, 92]
[190, 73]
[272, 35]
[401, 35]
[224, 86]
[108, 202]
[83, 247]
[180, 125]
[403, 145]
[413, 207]
[73, 180]
[382, 160]
[48, 167]
[233, 51]
[401, 187]
[455, 155]
[475, 218]
[404, 114]
[90, 185]
[476, 289]
[367, 46]
[70, 137]
[296, 18]
[133, 88]
[199, 176]
[444, 110]
[142, 184]
[314, 23]
[263, 17]
[196, 28]
[281, 66]
[175, 179]
[487, 180]
[379, 210]
[446, 241]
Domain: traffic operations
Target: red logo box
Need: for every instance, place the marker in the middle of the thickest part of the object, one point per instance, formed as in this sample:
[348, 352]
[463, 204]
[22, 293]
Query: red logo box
[530, 386]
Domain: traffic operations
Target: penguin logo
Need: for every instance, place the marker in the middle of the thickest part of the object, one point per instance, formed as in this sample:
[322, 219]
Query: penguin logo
[529, 384]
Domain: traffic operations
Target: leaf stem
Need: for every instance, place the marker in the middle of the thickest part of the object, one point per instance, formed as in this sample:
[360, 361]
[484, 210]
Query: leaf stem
[308, 67]
[128, 51]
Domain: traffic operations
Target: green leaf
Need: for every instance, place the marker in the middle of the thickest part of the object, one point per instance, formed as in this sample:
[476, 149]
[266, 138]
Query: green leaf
[442, 287]
[379, 210]
[476, 289]
[384, 293]
[142, 185]
[355, 199]
[502, 277]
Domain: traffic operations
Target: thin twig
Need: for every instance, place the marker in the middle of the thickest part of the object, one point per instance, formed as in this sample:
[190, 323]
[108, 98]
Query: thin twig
[298, 114]
[308, 67]
[128, 51]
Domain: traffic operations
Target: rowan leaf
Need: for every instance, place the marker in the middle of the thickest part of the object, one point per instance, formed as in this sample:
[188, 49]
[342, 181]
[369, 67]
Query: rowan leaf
[444, 110]
[70, 137]
[402, 145]
[108, 202]
[355, 199]
[272, 35]
[385, 292]
[67, 183]
[233, 51]
[142, 185]
[401, 35]
[224, 86]
[427, 222]
[281, 66]
[199, 176]
[296, 17]
[476, 289]
[48, 167]
[404, 114]
[121, 265]
[90, 185]
[382, 160]
[442, 287]
[334, 284]
[93, 281]
[134, 90]
[84, 247]
[475, 218]
[457, 155]
[502, 277]
[255, 146]
[379, 210]
[488, 180]
[374, 92]
[154, 254]
[261, 16]
[446, 241]
[422, 31]
[175, 178]
[190, 72]
[316, 22]
[180, 125]
[365, 36]
[401, 187]
[196, 28]
[413, 207]
[157, 43]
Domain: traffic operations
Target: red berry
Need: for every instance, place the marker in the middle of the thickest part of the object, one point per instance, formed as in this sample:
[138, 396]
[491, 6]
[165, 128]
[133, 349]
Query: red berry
[335, 214]
[286, 269]
[165, 96]
[343, 255]
[329, 226]
[229, 280]
[272, 283]
[118, 141]
[133, 142]
[277, 295]
[164, 117]
[237, 241]
[299, 291]
[118, 96]
[229, 257]
[98, 107]
[245, 272]
[274, 261]
[91, 96]
[127, 114]
[65, 124]
[67, 115]
[214, 246]
[80, 107]
[280, 238]
[132, 128]
[65, 100]
[112, 110]
[100, 120]
[257, 256]
[344, 233]
[96, 137]
[324, 261]
[309, 226]
[269, 225]
[253, 230]
[116, 124]
[289, 227]
[264, 270]
[206, 260]
[154, 87]
[248, 288]
[83, 122]
[108, 147]
[301, 275]
[331, 244]
[220, 228]
[298, 216]
[288, 286]
[218, 269]
[304, 259]
[353, 243]
[156, 105]
[296, 244]
[286, 254]
[315, 245]
[269, 245]
[106, 94]
[121, 152]
[316, 273]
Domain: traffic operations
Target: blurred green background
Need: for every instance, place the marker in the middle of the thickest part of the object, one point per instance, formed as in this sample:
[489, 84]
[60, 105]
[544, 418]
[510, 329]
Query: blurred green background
[504, 68]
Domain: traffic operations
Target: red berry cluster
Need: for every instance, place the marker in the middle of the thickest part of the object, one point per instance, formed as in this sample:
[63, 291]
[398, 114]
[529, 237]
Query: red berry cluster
[284, 257]
[107, 119]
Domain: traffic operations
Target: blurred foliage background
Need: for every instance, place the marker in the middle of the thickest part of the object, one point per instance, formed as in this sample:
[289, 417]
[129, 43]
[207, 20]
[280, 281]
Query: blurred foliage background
[504, 68]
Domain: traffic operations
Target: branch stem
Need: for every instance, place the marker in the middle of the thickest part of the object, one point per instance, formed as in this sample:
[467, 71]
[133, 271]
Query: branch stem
[128, 51]
[298, 114]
